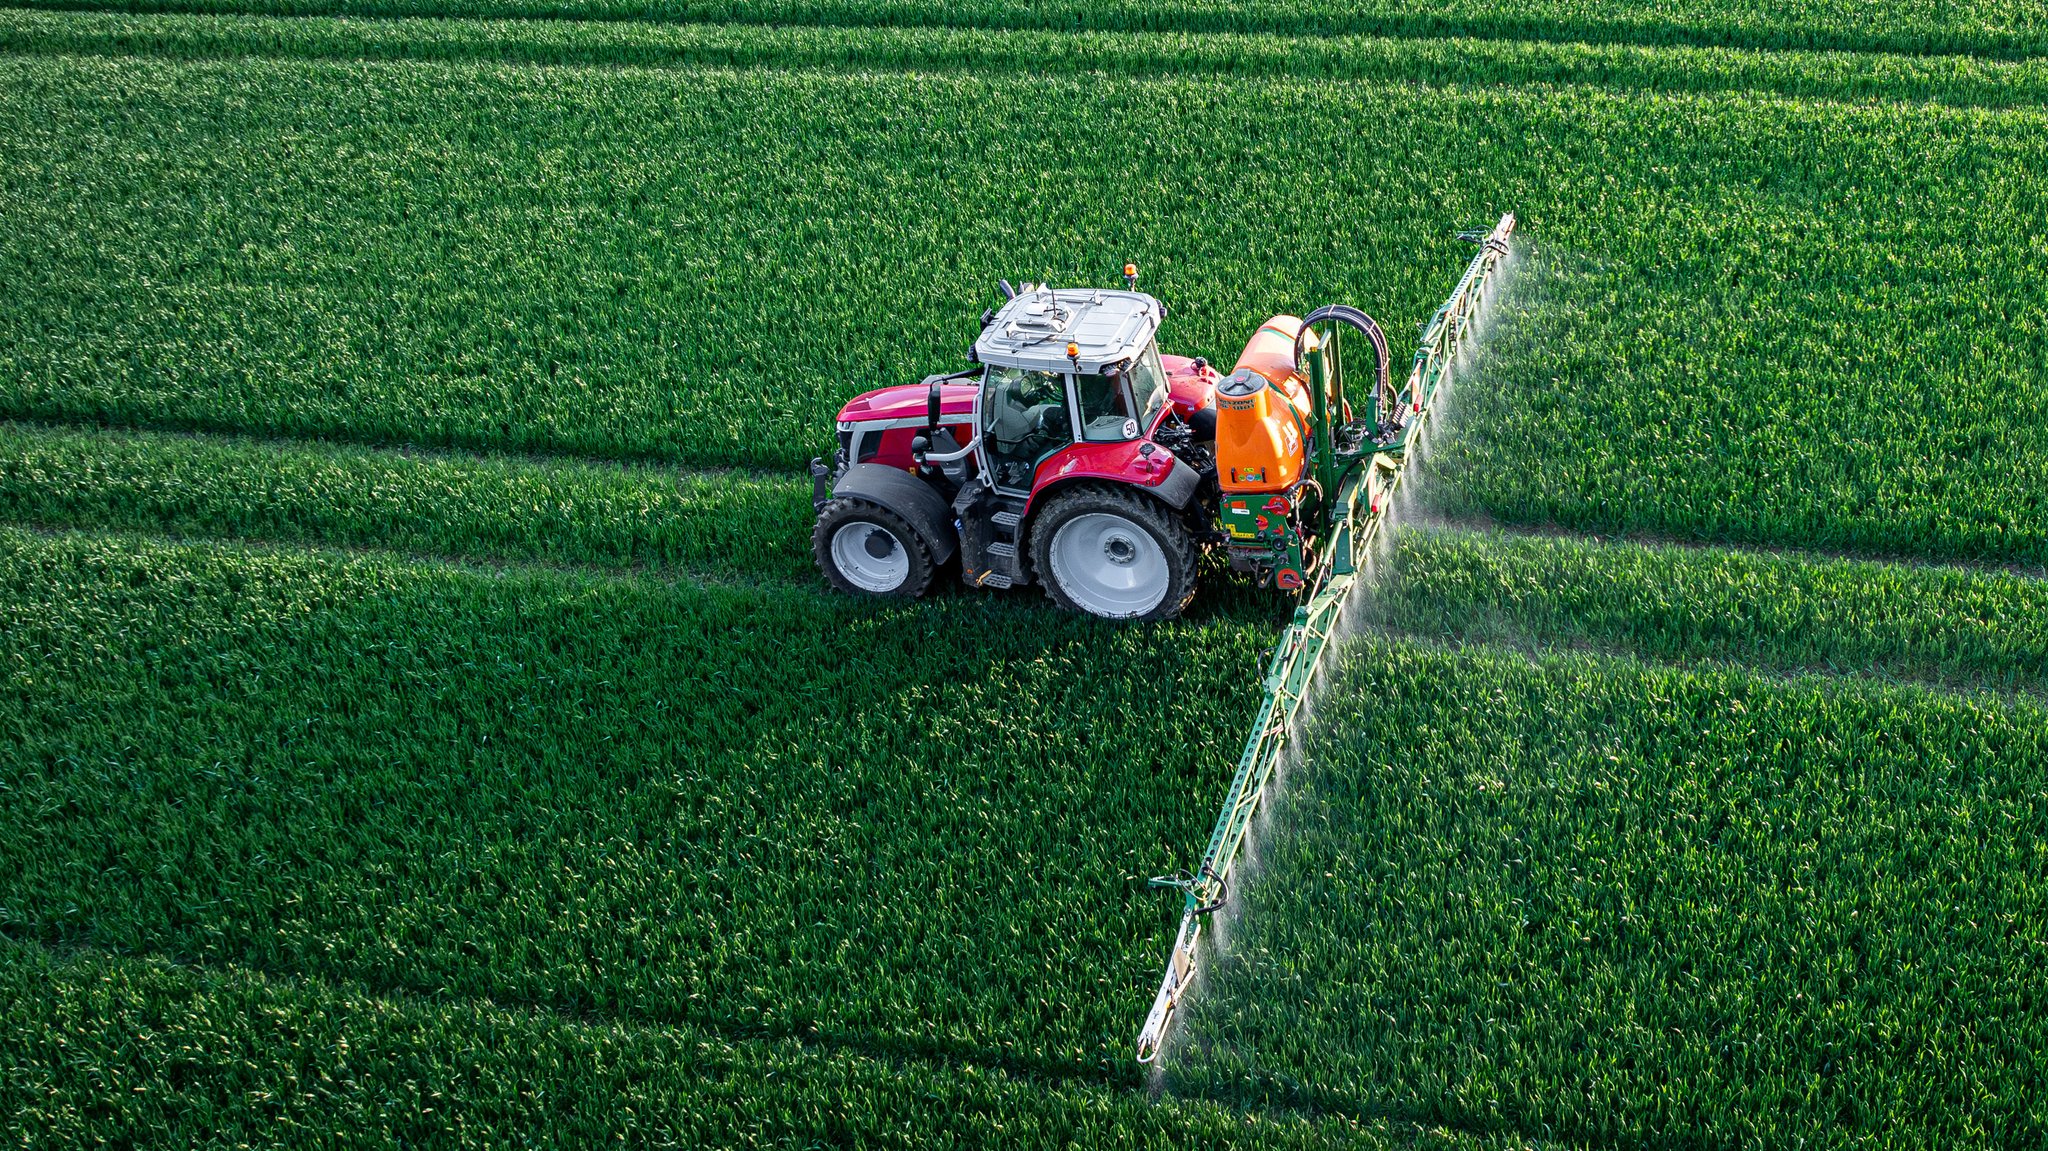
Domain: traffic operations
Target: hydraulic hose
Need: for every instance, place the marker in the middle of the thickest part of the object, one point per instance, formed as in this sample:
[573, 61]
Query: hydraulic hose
[1351, 317]
[1222, 891]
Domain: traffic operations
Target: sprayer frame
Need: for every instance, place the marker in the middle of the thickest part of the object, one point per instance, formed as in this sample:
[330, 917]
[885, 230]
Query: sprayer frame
[1364, 481]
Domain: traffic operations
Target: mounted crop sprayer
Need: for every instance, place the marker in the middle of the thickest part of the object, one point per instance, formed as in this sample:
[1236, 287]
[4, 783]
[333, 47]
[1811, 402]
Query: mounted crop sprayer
[1077, 457]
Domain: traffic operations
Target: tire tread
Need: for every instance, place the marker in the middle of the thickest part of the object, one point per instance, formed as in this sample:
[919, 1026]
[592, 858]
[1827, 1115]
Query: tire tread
[843, 510]
[1164, 526]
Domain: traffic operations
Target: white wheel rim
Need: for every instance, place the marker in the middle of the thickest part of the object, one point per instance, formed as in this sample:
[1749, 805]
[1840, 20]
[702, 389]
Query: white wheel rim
[855, 549]
[1109, 565]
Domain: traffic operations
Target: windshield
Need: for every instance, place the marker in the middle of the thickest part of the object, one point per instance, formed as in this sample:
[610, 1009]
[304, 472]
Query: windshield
[1148, 383]
[1106, 413]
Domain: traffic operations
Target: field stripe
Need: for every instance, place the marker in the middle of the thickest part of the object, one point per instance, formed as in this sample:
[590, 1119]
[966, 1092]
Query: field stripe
[1427, 522]
[1984, 29]
[926, 825]
[580, 514]
[1947, 626]
[617, 263]
[1643, 905]
[104, 1049]
[1953, 80]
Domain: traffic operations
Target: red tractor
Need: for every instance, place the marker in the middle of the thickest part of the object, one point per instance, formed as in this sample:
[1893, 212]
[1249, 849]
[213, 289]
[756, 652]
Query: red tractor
[1075, 456]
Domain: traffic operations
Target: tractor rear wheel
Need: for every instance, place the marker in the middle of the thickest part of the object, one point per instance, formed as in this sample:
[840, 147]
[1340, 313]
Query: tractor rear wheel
[1113, 553]
[862, 547]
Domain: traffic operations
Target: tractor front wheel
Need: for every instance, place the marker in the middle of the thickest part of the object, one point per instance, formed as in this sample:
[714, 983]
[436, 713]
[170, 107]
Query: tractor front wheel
[1113, 553]
[864, 548]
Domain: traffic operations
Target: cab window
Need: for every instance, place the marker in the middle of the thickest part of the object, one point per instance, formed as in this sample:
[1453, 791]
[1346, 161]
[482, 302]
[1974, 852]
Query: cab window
[1107, 416]
[1148, 384]
[1024, 417]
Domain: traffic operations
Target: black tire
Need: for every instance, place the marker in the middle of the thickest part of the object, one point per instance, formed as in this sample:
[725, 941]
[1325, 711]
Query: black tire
[905, 551]
[1142, 513]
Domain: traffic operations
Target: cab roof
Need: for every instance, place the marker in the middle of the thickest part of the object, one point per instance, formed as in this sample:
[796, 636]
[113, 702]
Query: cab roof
[1104, 325]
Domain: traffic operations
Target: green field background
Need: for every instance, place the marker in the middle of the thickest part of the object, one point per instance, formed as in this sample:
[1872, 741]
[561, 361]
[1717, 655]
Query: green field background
[618, 264]
[1981, 27]
[421, 722]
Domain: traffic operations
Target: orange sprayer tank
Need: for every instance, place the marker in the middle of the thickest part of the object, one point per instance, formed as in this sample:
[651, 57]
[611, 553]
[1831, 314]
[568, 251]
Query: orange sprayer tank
[1261, 431]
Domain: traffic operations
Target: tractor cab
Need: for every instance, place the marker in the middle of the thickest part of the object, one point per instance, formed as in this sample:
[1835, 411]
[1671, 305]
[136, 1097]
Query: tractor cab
[1061, 368]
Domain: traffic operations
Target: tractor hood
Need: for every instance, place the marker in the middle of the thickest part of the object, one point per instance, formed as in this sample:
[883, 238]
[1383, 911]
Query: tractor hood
[910, 402]
[1191, 388]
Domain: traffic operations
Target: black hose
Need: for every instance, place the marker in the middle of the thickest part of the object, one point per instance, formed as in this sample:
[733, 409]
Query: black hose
[1210, 873]
[1351, 317]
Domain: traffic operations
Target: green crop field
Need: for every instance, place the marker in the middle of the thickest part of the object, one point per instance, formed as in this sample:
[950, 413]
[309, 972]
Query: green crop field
[606, 262]
[1622, 902]
[421, 722]
[1966, 27]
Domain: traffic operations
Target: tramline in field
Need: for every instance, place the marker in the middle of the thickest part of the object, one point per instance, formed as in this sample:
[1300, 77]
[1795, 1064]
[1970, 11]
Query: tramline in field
[1075, 455]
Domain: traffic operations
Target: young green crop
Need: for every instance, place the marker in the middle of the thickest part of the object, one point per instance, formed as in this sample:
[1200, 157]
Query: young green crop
[1967, 80]
[1777, 612]
[699, 266]
[103, 1051]
[1619, 904]
[2009, 29]
[924, 828]
[1764, 391]
[730, 525]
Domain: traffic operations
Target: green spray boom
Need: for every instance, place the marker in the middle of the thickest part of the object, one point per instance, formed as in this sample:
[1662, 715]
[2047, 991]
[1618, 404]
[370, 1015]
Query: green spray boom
[1364, 469]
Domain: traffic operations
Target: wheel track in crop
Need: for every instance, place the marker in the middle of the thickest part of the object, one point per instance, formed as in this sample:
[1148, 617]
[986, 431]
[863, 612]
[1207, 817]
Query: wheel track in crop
[2026, 693]
[424, 452]
[891, 1053]
[1084, 17]
[1961, 81]
[1546, 530]
[479, 563]
[886, 1047]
